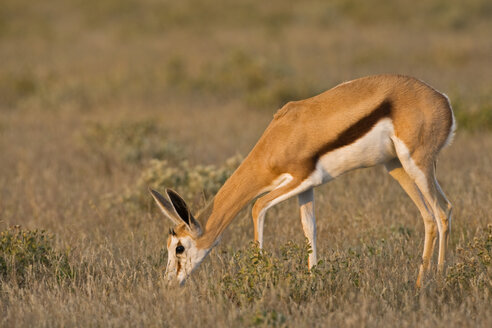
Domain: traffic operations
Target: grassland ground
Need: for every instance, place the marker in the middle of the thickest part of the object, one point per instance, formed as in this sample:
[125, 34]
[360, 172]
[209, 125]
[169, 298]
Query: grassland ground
[98, 99]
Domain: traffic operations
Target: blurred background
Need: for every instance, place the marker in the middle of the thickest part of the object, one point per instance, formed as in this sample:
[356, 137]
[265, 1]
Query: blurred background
[198, 58]
[100, 99]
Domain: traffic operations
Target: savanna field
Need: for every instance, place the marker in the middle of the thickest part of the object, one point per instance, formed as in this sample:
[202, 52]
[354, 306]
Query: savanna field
[101, 99]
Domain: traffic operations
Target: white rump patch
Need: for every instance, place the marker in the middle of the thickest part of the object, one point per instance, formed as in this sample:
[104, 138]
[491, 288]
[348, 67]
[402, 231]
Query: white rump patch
[450, 137]
[409, 164]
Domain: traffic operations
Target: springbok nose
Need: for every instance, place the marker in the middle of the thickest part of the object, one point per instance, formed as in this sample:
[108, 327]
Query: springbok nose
[181, 281]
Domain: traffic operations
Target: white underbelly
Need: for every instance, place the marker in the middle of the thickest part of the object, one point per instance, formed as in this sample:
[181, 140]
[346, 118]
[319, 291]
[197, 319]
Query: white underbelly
[375, 147]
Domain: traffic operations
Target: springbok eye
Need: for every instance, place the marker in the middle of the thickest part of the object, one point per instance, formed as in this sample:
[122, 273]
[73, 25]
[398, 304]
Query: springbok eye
[180, 249]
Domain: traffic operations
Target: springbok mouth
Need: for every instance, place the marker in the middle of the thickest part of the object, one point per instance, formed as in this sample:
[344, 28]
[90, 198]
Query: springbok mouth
[172, 278]
[173, 281]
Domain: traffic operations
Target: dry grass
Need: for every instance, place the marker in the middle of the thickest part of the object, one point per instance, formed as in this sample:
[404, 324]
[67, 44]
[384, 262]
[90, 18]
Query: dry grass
[92, 91]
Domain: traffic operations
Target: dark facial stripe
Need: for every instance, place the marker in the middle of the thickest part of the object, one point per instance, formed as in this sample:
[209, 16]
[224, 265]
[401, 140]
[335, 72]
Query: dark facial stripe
[178, 267]
[356, 131]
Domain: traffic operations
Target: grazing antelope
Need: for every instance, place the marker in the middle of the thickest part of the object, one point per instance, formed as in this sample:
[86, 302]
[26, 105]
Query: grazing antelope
[393, 120]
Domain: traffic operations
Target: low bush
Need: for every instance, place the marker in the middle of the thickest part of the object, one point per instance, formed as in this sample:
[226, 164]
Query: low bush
[196, 184]
[253, 274]
[475, 120]
[16, 87]
[473, 263]
[25, 253]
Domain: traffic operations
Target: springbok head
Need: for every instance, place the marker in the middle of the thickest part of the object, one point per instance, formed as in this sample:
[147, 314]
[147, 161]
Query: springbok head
[183, 254]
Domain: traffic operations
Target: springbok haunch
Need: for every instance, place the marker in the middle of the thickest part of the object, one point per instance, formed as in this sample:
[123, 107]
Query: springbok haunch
[393, 120]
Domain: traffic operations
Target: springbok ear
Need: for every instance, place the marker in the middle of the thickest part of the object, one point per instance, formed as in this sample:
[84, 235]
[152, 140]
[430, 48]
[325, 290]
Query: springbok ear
[176, 209]
[183, 211]
[166, 207]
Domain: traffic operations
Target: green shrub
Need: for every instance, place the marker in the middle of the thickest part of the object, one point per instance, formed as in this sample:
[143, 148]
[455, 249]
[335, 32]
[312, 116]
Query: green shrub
[195, 184]
[473, 265]
[253, 272]
[30, 252]
[472, 114]
[476, 120]
[16, 87]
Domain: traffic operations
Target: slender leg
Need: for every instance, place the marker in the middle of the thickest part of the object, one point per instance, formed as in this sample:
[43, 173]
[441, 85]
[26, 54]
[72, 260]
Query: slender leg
[258, 223]
[436, 197]
[422, 171]
[306, 204]
[428, 188]
[444, 202]
[272, 198]
[396, 170]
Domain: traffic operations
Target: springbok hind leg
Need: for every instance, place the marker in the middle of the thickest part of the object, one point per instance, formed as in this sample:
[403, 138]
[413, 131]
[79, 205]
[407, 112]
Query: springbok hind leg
[396, 170]
[443, 210]
[446, 219]
[422, 171]
[426, 181]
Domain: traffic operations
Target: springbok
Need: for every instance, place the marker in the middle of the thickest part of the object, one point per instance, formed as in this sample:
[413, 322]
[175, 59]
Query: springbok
[393, 120]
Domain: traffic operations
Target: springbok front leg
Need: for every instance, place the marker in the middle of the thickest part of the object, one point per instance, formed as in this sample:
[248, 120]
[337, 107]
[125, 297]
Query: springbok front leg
[308, 220]
[292, 188]
[258, 224]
